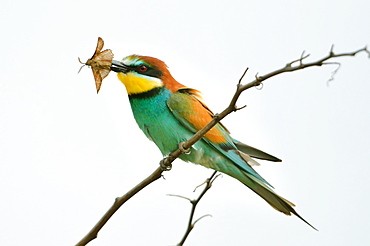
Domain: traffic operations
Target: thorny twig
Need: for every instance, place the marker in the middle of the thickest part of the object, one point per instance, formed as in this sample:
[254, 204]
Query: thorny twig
[167, 161]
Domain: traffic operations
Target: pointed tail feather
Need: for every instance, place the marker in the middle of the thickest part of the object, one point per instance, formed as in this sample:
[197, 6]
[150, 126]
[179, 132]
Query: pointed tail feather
[256, 153]
[276, 201]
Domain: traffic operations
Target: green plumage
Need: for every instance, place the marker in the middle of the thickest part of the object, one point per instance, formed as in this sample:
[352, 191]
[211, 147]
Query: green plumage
[161, 124]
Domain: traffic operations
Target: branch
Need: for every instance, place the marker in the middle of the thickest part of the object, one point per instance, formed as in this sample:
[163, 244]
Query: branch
[166, 163]
[93, 233]
[258, 80]
[194, 204]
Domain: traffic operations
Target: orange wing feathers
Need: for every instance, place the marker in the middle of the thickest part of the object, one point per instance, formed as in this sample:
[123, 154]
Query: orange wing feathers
[199, 115]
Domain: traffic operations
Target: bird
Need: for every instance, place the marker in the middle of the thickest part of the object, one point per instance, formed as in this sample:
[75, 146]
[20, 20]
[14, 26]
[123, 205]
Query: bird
[170, 113]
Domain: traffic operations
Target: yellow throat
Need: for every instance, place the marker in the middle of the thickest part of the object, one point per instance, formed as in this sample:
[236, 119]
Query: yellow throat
[136, 83]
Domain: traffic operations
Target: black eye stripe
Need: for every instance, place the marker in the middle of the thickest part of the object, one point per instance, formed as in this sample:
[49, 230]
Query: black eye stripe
[149, 72]
[152, 72]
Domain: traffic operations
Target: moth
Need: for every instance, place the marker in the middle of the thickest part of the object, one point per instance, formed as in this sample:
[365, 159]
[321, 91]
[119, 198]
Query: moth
[100, 63]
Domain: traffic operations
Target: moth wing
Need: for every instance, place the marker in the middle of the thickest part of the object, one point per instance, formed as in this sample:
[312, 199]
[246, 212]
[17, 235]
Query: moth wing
[97, 77]
[99, 47]
[104, 71]
[104, 58]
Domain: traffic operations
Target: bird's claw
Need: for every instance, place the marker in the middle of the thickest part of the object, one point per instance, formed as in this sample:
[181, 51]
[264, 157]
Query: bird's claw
[164, 165]
[183, 149]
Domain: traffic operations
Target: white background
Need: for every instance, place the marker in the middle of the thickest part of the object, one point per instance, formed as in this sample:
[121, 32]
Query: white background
[66, 153]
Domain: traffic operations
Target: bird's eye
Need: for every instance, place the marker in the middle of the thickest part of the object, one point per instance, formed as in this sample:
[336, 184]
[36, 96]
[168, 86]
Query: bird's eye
[143, 68]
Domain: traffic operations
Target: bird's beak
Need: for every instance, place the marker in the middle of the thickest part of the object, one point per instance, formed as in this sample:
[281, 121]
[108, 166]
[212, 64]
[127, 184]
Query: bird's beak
[119, 67]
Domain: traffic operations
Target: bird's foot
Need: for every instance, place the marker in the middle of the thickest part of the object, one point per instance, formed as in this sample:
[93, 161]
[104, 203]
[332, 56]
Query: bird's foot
[183, 149]
[165, 165]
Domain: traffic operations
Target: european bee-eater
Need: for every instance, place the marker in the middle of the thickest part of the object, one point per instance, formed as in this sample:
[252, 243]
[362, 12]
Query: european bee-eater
[169, 113]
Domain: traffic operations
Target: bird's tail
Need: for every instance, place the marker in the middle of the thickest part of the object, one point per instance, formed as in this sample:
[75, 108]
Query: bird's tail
[277, 202]
[263, 190]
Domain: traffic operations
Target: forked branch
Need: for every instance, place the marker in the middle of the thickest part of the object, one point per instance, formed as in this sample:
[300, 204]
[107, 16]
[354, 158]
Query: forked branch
[194, 203]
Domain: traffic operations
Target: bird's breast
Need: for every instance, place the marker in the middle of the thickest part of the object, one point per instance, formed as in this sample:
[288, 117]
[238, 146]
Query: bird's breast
[157, 121]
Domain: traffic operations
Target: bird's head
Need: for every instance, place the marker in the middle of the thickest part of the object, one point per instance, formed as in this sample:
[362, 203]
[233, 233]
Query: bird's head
[141, 74]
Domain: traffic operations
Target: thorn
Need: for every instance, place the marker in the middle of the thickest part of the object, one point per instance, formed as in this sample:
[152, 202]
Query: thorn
[331, 50]
[205, 182]
[241, 78]
[258, 78]
[236, 108]
[213, 179]
[186, 198]
[202, 218]
[300, 60]
[209, 180]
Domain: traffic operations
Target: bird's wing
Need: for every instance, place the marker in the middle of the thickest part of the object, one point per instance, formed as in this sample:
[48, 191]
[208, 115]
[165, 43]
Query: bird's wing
[188, 108]
[192, 113]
